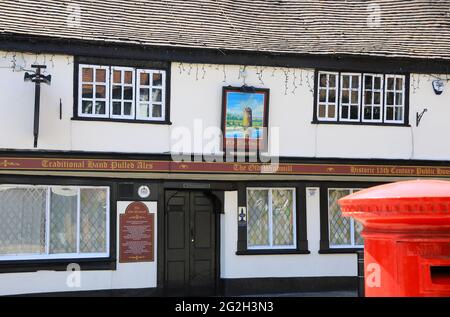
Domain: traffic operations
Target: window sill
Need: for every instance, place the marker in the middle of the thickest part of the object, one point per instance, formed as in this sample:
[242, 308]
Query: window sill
[23, 266]
[381, 124]
[165, 122]
[272, 251]
[340, 250]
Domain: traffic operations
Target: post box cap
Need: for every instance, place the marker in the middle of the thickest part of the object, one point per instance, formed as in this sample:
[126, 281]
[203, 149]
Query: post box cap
[416, 196]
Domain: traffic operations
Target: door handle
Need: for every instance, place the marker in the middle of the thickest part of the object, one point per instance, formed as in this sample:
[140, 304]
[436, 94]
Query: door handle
[192, 234]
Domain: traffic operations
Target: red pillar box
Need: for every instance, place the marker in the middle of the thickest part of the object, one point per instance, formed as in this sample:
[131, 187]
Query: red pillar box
[406, 237]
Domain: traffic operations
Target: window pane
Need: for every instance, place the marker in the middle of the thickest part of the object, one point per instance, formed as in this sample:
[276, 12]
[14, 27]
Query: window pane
[117, 76]
[368, 82]
[100, 107]
[399, 83]
[128, 93]
[354, 112]
[322, 111]
[157, 111]
[345, 96]
[376, 113]
[144, 110]
[63, 220]
[323, 80]
[322, 95]
[331, 80]
[127, 108]
[258, 218]
[144, 94]
[145, 79]
[345, 81]
[117, 92]
[283, 217]
[367, 113]
[22, 225]
[398, 113]
[377, 83]
[86, 107]
[87, 91]
[331, 111]
[345, 113]
[117, 108]
[332, 95]
[87, 74]
[398, 99]
[156, 95]
[358, 229]
[354, 97]
[339, 226]
[128, 77]
[355, 82]
[100, 75]
[368, 98]
[377, 98]
[390, 83]
[157, 79]
[100, 91]
[389, 113]
[390, 98]
[93, 208]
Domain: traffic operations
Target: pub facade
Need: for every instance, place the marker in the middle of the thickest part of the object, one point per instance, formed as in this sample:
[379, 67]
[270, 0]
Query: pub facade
[173, 169]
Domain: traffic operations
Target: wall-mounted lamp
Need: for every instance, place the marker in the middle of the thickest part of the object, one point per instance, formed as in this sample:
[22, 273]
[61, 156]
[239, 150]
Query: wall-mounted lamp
[438, 86]
[37, 78]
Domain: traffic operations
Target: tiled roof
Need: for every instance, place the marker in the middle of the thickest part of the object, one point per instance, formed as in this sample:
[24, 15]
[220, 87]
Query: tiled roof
[406, 28]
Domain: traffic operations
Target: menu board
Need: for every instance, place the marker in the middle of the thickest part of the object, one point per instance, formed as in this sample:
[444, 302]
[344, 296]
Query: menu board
[137, 234]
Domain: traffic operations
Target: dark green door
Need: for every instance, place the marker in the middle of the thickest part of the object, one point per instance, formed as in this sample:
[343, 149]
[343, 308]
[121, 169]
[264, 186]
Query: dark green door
[190, 243]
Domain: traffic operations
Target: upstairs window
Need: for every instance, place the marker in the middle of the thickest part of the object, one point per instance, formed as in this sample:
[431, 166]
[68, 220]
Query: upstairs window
[365, 98]
[121, 93]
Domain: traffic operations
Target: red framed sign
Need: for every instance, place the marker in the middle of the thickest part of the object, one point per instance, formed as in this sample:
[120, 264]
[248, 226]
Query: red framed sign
[245, 119]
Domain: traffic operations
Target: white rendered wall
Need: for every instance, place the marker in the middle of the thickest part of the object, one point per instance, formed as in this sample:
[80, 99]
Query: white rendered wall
[292, 265]
[126, 275]
[196, 104]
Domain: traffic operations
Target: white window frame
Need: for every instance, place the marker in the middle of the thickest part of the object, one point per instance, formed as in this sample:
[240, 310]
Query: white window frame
[94, 98]
[350, 89]
[327, 103]
[394, 91]
[150, 103]
[270, 211]
[373, 91]
[352, 223]
[78, 254]
[122, 85]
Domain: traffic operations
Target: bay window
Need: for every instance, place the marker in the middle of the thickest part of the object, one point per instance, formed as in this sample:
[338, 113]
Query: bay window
[53, 222]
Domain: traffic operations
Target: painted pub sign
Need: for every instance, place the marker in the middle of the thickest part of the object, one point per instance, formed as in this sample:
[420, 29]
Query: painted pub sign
[245, 118]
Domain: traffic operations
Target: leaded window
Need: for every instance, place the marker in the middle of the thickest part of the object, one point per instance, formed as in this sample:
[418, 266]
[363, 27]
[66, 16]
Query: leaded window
[53, 222]
[344, 232]
[271, 218]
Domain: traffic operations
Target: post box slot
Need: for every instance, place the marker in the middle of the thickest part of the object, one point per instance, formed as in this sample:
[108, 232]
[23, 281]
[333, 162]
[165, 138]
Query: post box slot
[440, 274]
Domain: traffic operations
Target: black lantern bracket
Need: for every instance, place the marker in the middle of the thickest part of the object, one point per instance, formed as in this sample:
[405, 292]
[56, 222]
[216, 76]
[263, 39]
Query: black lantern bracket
[419, 116]
[37, 78]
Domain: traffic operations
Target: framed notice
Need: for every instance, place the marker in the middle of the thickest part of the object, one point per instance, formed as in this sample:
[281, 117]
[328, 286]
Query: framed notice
[245, 118]
[137, 234]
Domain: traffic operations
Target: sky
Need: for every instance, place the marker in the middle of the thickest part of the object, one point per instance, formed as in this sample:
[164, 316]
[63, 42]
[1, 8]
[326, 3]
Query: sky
[237, 101]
